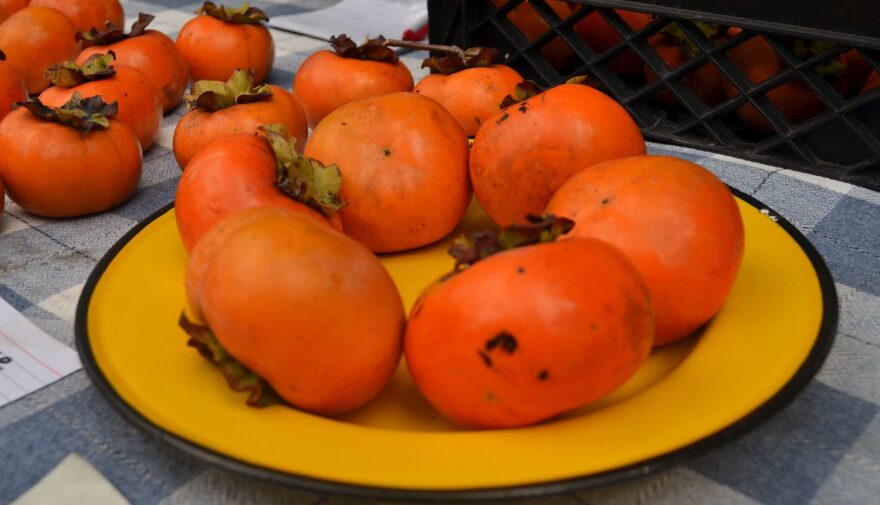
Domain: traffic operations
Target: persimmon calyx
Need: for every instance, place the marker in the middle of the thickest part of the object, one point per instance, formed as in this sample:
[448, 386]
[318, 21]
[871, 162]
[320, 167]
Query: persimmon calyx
[371, 49]
[304, 179]
[471, 57]
[805, 49]
[244, 15]
[712, 31]
[484, 243]
[238, 377]
[215, 95]
[69, 74]
[523, 91]
[113, 34]
[81, 113]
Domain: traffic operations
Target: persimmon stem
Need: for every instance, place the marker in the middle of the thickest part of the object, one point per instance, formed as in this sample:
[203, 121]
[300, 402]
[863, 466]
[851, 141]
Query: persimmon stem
[436, 48]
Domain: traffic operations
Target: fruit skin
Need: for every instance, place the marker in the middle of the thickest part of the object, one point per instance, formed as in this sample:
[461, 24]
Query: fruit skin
[34, 39]
[10, 7]
[87, 14]
[521, 156]
[139, 104]
[532, 25]
[12, 88]
[571, 321]
[305, 307]
[676, 222]
[2, 201]
[326, 81]
[52, 170]
[198, 128]
[472, 95]
[214, 48]
[232, 173]
[601, 36]
[403, 159]
[872, 82]
[706, 82]
[156, 55]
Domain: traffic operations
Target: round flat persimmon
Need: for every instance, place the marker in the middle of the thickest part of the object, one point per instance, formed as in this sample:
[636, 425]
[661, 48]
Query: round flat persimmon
[12, 88]
[235, 107]
[87, 14]
[522, 155]
[306, 308]
[327, 80]
[34, 39]
[222, 39]
[139, 104]
[529, 333]
[240, 171]
[472, 95]
[150, 51]
[57, 170]
[403, 159]
[10, 7]
[676, 222]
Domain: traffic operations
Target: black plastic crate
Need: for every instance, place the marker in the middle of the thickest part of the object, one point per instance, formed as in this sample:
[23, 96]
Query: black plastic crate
[842, 142]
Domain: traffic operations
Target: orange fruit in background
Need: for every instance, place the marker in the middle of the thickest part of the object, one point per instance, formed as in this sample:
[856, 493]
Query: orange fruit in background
[522, 155]
[676, 221]
[326, 81]
[12, 88]
[532, 25]
[34, 39]
[87, 14]
[601, 36]
[472, 95]
[139, 104]
[403, 159]
[305, 307]
[10, 7]
[232, 173]
[529, 333]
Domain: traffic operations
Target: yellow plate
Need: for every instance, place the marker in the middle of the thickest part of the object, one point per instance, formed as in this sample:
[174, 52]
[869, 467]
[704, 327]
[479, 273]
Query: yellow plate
[766, 343]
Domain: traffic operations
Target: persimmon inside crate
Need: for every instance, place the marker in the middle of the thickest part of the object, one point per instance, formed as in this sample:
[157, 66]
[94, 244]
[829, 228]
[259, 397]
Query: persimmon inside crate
[793, 85]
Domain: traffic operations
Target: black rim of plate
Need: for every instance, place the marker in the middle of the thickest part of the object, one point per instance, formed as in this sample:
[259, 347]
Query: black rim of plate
[799, 380]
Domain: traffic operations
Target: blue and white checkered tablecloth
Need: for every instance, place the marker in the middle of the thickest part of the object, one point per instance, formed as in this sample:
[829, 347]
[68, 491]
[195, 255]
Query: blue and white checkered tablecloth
[824, 448]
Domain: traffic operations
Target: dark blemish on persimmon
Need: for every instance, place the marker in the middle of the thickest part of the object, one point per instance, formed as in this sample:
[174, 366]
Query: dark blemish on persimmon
[593, 327]
[542, 376]
[477, 120]
[503, 118]
[486, 359]
[386, 151]
[520, 270]
[523, 107]
[605, 201]
[343, 123]
[505, 341]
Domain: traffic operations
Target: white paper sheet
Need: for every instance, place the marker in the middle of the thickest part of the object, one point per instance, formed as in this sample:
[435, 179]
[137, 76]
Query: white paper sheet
[358, 19]
[29, 358]
[73, 482]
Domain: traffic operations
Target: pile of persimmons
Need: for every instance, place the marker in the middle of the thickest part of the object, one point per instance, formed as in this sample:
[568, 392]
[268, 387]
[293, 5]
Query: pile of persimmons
[286, 199]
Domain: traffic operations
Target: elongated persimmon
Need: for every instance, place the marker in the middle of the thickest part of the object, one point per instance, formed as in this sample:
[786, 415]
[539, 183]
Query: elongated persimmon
[304, 308]
[246, 170]
[236, 106]
[34, 39]
[527, 333]
[677, 223]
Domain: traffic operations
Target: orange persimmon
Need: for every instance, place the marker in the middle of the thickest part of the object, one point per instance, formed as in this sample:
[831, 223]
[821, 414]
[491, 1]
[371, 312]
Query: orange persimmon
[222, 39]
[532, 25]
[675, 48]
[246, 170]
[150, 51]
[69, 161]
[471, 88]
[522, 155]
[403, 159]
[530, 332]
[677, 223]
[236, 106]
[12, 88]
[327, 80]
[34, 39]
[307, 309]
[139, 104]
[872, 82]
[10, 7]
[601, 36]
[86, 14]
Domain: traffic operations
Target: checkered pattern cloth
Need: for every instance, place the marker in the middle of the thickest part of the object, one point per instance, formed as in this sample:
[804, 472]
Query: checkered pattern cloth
[824, 448]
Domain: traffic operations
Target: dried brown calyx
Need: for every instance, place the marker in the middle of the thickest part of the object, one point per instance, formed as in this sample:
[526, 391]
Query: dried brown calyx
[84, 114]
[523, 91]
[2, 56]
[481, 244]
[713, 32]
[244, 15]
[238, 377]
[113, 34]
[806, 49]
[304, 179]
[372, 50]
[215, 95]
[69, 74]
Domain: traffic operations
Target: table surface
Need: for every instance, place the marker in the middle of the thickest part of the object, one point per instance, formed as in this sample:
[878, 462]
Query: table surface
[822, 448]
